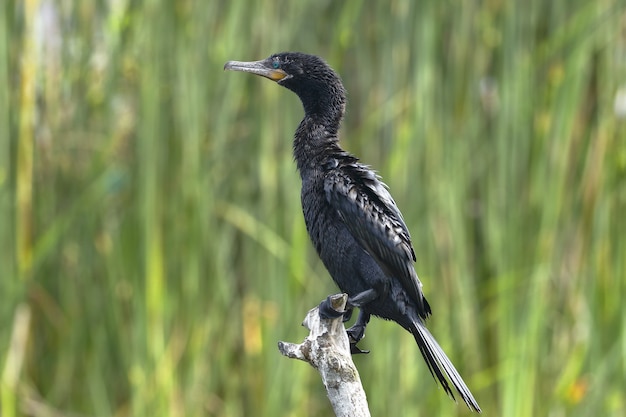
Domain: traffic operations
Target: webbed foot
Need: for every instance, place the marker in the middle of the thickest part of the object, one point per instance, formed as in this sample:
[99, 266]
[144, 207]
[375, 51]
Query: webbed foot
[328, 312]
[355, 334]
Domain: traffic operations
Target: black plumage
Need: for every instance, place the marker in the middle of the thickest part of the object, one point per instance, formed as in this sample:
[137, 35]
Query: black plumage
[353, 221]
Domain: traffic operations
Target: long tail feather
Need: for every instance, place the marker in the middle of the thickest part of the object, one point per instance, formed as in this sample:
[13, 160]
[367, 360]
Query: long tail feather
[439, 364]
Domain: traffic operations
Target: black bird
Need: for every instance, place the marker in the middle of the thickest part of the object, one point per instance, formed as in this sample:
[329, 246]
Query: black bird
[353, 221]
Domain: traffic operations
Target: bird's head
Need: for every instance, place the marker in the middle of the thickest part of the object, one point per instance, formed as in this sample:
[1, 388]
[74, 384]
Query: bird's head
[309, 76]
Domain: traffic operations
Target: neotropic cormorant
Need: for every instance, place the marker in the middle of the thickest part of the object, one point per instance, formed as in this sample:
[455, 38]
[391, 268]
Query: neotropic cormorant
[353, 221]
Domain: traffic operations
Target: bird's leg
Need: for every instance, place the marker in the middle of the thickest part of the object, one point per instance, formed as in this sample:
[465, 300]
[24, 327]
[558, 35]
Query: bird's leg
[357, 331]
[362, 298]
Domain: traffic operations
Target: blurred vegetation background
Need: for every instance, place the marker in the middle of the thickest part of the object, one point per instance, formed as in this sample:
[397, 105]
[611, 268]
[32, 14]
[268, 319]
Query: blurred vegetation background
[152, 247]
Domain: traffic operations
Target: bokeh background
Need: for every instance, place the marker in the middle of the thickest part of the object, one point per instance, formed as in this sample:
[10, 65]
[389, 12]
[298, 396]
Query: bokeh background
[152, 246]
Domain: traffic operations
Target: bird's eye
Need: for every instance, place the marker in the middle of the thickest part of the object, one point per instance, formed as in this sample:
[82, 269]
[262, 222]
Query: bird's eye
[275, 64]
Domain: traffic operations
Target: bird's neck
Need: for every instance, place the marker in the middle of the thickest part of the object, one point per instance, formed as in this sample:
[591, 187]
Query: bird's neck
[324, 102]
[315, 143]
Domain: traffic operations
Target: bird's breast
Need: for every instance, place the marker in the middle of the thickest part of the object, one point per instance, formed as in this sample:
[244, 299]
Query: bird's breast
[339, 251]
[322, 221]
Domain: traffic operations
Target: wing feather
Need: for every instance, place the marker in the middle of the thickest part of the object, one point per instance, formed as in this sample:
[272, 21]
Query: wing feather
[371, 215]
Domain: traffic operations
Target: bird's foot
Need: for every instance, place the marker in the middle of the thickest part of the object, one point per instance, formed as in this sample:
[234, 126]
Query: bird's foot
[327, 311]
[355, 334]
[357, 331]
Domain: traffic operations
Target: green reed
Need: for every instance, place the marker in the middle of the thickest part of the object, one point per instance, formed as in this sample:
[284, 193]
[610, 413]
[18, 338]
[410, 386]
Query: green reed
[153, 247]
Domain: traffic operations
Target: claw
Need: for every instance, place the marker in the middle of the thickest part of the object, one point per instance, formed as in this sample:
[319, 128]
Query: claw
[355, 350]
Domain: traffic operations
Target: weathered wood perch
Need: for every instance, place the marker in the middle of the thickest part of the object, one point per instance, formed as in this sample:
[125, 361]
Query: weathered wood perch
[327, 349]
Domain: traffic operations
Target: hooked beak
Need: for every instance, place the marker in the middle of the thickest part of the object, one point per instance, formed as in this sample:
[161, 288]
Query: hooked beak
[262, 68]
